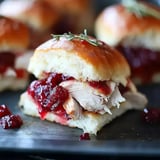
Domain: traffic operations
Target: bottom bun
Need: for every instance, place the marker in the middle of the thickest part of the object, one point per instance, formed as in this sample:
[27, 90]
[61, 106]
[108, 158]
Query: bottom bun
[89, 122]
[12, 83]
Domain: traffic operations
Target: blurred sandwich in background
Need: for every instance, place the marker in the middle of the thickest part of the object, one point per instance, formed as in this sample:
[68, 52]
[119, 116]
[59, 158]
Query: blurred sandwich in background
[134, 29]
[14, 57]
[38, 15]
[45, 17]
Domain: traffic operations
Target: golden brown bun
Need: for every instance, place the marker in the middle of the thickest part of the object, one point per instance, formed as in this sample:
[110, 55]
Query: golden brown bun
[79, 59]
[38, 14]
[14, 35]
[117, 25]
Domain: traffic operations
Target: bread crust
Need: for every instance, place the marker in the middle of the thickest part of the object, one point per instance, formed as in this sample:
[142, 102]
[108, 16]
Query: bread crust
[116, 24]
[79, 59]
[14, 35]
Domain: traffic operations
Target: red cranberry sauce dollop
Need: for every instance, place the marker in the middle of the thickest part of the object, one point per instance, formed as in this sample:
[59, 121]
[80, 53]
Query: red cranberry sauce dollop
[8, 120]
[7, 60]
[144, 62]
[49, 96]
[4, 111]
[102, 86]
[151, 115]
[84, 136]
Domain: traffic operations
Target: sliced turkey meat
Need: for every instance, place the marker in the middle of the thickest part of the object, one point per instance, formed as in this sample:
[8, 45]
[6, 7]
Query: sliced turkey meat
[72, 108]
[93, 99]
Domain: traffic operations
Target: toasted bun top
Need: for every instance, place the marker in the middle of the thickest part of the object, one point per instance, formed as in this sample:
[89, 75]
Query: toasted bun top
[118, 25]
[14, 35]
[38, 14]
[80, 59]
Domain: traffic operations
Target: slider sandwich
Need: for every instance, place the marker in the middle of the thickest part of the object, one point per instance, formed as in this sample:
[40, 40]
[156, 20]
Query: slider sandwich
[38, 15]
[134, 29]
[81, 82]
[14, 58]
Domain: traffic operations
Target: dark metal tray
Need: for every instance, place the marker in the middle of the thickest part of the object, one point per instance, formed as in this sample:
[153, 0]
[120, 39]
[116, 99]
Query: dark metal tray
[126, 135]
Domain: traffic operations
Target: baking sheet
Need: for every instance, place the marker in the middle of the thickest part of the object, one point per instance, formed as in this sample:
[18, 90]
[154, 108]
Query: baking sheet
[127, 135]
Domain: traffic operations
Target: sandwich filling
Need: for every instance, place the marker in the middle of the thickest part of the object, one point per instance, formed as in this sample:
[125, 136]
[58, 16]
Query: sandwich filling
[68, 98]
[144, 62]
[14, 65]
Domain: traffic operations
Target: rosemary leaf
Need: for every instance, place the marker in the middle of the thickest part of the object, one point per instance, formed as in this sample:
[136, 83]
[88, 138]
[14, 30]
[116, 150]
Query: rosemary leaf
[140, 9]
[83, 36]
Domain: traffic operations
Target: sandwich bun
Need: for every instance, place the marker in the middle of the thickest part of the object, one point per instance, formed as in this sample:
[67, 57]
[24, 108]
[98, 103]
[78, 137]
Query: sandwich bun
[14, 35]
[134, 29]
[79, 59]
[89, 122]
[115, 25]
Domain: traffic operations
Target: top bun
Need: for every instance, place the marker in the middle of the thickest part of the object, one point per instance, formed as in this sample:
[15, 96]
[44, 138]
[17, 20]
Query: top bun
[14, 35]
[37, 14]
[118, 25]
[79, 58]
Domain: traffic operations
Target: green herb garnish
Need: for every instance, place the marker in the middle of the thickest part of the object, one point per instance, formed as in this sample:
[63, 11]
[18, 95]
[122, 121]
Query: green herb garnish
[83, 36]
[140, 9]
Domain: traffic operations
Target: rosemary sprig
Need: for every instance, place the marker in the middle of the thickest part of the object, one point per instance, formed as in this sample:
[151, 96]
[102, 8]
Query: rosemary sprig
[140, 9]
[83, 36]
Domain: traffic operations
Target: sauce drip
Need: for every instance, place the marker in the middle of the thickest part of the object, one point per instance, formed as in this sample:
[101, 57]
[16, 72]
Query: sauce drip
[144, 62]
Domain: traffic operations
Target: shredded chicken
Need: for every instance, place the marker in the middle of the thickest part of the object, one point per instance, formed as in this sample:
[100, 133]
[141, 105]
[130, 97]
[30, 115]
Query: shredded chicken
[92, 99]
[72, 108]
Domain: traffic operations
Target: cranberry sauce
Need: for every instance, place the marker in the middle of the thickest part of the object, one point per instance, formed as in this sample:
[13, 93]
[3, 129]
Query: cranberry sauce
[84, 136]
[48, 95]
[151, 115]
[11, 121]
[7, 59]
[4, 111]
[144, 62]
[20, 73]
[101, 86]
[8, 120]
